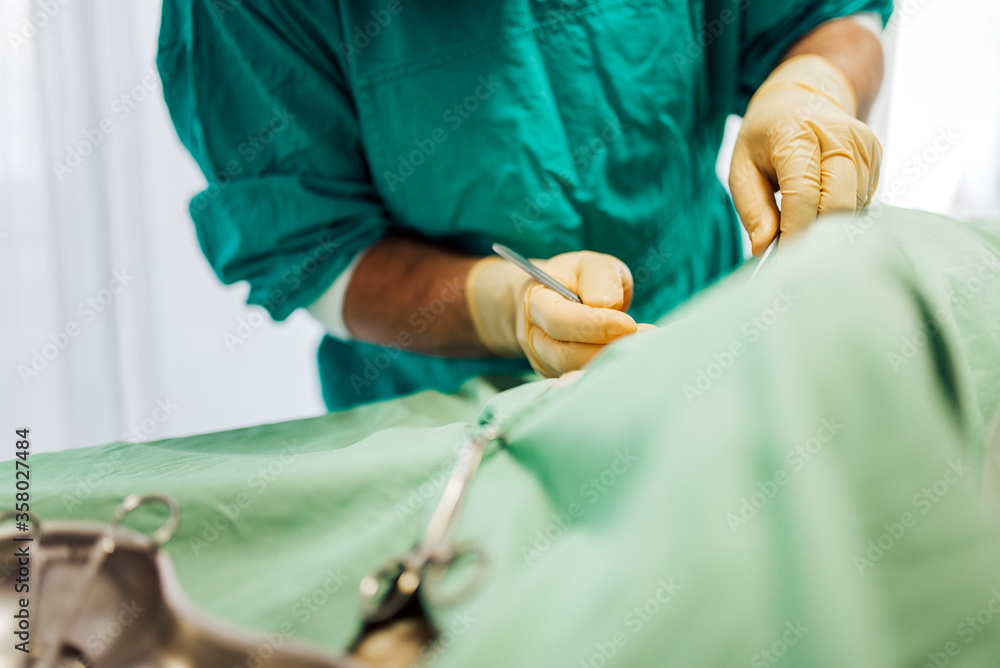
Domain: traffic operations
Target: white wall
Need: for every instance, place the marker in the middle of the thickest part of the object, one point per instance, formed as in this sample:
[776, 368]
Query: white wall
[160, 341]
[943, 138]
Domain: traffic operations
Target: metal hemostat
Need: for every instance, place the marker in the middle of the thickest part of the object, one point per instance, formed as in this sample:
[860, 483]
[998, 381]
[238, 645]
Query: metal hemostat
[390, 593]
[103, 596]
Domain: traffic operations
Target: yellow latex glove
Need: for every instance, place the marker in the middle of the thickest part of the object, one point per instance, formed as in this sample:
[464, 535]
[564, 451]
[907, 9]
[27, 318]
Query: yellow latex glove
[516, 316]
[800, 136]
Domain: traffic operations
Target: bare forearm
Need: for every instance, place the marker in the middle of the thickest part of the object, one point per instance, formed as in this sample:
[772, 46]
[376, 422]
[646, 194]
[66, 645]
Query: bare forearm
[408, 292]
[852, 49]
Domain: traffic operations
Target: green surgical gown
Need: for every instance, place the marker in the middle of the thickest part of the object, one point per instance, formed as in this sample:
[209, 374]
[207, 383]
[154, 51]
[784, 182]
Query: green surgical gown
[546, 126]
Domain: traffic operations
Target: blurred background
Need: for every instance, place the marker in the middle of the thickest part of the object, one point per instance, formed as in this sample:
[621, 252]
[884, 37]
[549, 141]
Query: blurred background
[115, 328]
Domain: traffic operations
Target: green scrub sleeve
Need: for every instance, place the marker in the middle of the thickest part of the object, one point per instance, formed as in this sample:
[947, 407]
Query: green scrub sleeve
[257, 93]
[769, 28]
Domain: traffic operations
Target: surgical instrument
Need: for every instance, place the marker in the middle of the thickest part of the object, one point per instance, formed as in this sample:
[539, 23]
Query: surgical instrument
[763, 258]
[536, 273]
[388, 591]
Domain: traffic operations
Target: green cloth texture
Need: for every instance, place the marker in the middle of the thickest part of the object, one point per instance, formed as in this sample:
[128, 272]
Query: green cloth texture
[788, 470]
[548, 126]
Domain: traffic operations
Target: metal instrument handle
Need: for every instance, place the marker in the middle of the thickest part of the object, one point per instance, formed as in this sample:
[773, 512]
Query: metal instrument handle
[103, 547]
[545, 279]
[386, 591]
[763, 259]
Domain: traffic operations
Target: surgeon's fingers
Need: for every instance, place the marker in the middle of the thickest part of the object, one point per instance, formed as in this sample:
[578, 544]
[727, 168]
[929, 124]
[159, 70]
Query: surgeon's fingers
[753, 195]
[568, 321]
[604, 281]
[798, 169]
[552, 358]
[870, 174]
[867, 183]
[839, 184]
[601, 280]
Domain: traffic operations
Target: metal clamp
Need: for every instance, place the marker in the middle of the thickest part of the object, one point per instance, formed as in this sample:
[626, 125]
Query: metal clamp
[162, 535]
[393, 585]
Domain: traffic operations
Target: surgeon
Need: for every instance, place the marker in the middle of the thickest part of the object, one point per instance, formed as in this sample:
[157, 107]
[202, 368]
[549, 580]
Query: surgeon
[361, 158]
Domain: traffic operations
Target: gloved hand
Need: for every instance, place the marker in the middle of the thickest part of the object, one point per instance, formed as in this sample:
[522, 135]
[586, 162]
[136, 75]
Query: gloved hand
[800, 135]
[516, 316]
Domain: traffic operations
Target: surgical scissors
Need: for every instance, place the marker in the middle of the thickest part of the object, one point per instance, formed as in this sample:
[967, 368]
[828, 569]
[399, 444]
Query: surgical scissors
[389, 589]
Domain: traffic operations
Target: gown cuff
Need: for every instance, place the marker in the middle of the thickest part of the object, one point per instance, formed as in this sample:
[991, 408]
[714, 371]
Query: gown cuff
[329, 308]
[872, 21]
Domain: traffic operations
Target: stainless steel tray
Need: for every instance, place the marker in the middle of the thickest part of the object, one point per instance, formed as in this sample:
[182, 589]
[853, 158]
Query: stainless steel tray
[131, 614]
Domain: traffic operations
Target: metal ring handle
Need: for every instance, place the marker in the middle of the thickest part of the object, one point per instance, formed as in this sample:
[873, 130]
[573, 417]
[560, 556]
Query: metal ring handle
[32, 519]
[133, 501]
[377, 589]
[437, 570]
